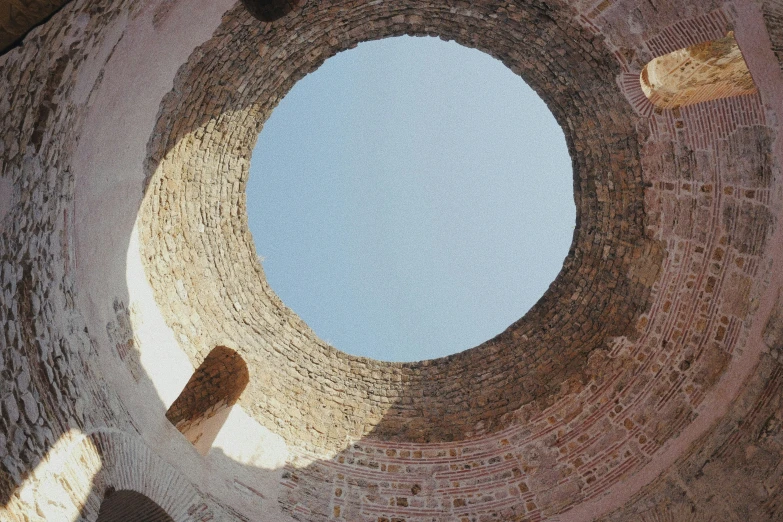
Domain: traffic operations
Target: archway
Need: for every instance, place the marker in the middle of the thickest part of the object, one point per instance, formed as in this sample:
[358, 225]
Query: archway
[130, 506]
[203, 406]
[707, 71]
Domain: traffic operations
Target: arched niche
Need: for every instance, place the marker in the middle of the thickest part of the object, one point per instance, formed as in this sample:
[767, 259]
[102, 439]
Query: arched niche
[203, 406]
[699, 73]
[130, 506]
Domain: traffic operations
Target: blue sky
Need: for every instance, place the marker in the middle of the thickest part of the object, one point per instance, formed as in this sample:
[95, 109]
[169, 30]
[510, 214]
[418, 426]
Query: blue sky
[410, 199]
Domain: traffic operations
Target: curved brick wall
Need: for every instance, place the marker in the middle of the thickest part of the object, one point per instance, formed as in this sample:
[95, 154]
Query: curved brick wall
[646, 379]
[196, 238]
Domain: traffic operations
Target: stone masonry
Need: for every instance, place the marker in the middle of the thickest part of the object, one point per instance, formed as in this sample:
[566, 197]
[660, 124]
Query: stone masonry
[645, 385]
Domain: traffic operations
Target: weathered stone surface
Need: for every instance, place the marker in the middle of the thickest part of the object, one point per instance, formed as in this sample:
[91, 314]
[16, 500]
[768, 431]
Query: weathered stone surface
[30, 407]
[739, 467]
[637, 388]
[602, 290]
[10, 410]
[18, 17]
[773, 331]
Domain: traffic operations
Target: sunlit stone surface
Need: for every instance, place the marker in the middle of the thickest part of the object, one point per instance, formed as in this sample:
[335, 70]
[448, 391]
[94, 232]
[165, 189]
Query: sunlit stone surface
[645, 385]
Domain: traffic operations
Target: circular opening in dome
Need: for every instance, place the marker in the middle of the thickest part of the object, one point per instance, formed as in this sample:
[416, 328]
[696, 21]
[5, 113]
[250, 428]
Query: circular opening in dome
[411, 199]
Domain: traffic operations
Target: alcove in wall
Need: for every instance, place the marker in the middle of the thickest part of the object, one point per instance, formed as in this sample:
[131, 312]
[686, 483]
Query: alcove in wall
[130, 506]
[699, 73]
[204, 405]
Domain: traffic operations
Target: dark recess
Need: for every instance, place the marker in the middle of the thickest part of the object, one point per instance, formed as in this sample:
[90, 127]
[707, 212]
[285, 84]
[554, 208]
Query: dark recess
[271, 10]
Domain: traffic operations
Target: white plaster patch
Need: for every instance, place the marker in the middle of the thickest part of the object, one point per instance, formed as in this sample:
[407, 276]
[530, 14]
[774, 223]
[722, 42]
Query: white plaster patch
[246, 441]
[163, 361]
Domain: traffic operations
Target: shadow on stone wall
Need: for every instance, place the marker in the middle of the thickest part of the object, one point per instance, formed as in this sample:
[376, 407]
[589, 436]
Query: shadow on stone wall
[603, 288]
[427, 411]
[50, 360]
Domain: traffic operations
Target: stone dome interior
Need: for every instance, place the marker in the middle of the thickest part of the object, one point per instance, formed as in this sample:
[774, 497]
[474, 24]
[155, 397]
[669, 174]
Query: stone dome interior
[426, 204]
[644, 385]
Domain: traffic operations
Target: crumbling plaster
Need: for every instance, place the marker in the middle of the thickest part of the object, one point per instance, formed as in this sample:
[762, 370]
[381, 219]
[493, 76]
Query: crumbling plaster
[640, 384]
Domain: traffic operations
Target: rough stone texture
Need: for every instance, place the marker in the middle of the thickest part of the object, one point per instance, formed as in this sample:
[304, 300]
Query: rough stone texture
[734, 474]
[644, 385]
[17, 17]
[773, 331]
[202, 246]
[51, 385]
[773, 18]
[45, 351]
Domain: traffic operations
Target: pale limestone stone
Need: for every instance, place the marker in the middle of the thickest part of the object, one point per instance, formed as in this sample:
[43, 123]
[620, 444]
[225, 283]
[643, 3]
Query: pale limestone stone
[30, 407]
[11, 410]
